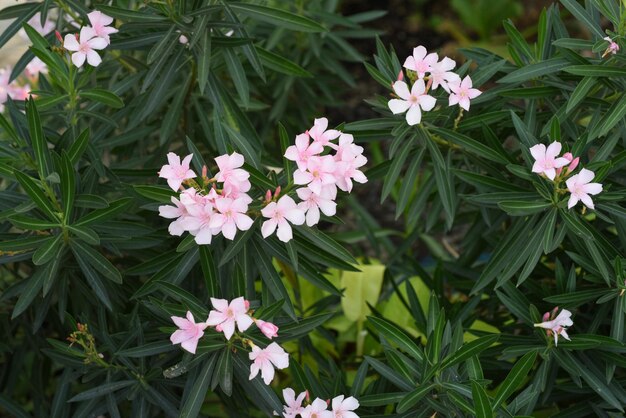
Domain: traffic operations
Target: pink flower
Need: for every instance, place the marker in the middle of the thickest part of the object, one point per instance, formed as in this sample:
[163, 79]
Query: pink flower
[17, 92]
[546, 161]
[235, 179]
[267, 328]
[319, 133]
[462, 92]
[35, 67]
[198, 222]
[279, 213]
[265, 360]
[573, 163]
[5, 74]
[420, 62]
[100, 24]
[85, 47]
[441, 75]
[317, 409]
[613, 47]
[411, 101]
[557, 325]
[178, 212]
[342, 408]
[231, 216]
[312, 203]
[349, 159]
[227, 315]
[183, 39]
[176, 172]
[319, 172]
[189, 333]
[293, 405]
[302, 150]
[580, 188]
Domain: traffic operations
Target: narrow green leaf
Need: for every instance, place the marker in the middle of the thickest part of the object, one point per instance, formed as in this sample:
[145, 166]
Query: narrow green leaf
[101, 390]
[34, 191]
[514, 379]
[97, 261]
[198, 390]
[38, 140]
[482, 406]
[34, 284]
[278, 17]
[468, 350]
[412, 398]
[280, 64]
[100, 215]
[103, 96]
[47, 251]
[395, 334]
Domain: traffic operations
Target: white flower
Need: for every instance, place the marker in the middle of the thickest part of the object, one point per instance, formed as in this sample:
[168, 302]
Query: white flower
[266, 359]
[414, 101]
[580, 188]
[557, 325]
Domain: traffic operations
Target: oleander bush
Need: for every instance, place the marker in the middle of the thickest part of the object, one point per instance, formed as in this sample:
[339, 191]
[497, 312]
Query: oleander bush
[187, 228]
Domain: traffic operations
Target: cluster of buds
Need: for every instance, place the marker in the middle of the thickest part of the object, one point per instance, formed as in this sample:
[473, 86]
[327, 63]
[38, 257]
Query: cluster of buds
[338, 407]
[427, 74]
[87, 342]
[92, 38]
[227, 318]
[549, 165]
[206, 209]
[556, 325]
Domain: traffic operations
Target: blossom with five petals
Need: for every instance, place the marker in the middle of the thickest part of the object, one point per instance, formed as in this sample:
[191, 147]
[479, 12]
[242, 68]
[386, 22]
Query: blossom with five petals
[317, 409]
[176, 171]
[558, 325]
[414, 101]
[230, 216]
[226, 315]
[546, 161]
[266, 359]
[342, 408]
[462, 92]
[321, 135]
[312, 203]
[293, 405]
[580, 187]
[100, 24]
[319, 173]
[303, 150]
[279, 213]
[421, 61]
[84, 47]
[189, 333]
[441, 74]
[230, 173]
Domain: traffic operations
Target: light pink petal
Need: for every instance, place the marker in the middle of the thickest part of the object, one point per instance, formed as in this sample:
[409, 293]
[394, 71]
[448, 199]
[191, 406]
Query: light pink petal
[292, 153]
[402, 90]
[86, 33]
[229, 230]
[174, 183]
[204, 236]
[268, 228]
[474, 93]
[243, 222]
[312, 216]
[302, 177]
[453, 99]
[170, 212]
[295, 216]
[572, 201]
[228, 328]
[190, 345]
[284, 232]
[466, 83]
[586, 199]
[78, 58]
[553, 150]
[410, 64]
[93, 58]
[414, 115]
[321, 124]
[70, 43]
[464, 102]
[592, 188]
[427, 102]
[398, 106]
[328, 207]
[179, 336]
[181, 323]
[560, 162]
[244, 322]
[585, 176]
[418, 88]
[267, 372]
[538, 151]
[97, 43]
[550, 173]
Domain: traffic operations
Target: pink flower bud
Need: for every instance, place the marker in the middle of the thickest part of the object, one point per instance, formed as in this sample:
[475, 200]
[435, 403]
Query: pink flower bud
[183, 39]
[267, 328]
[58, 35]
[246, 303]
[308, 396]
[573, 164]
[546, 316]
[204, 171]
[400, 76]
[268, 196]
[218, 328]
[277, 192]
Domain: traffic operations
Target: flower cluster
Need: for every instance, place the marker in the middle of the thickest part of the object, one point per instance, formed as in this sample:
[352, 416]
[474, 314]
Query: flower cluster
[205, 213]
[91, 39]
[552, 167]
[556, 325]
[340, 406]
[226, 317]
[206, 208]
[428, 73]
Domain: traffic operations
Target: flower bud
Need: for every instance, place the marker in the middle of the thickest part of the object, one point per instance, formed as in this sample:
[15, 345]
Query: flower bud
[268, 196]
[277, 192]
[58, 35]
[267, 328]
[400, 76]
[246, 303]
[183, 39]
[573, 164]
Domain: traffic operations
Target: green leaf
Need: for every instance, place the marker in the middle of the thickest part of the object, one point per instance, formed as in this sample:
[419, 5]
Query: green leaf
[278, 17]
[580, 92]
[281, 64]
[156, 193]
[468, 350]
[97, 261]
[38, 140]
[103, 96]
[612, 117]
[243, 145]
[79, 146]
[514, 379]
[579, 297]
[444, 180]
[141, 15]
[237, 244]
[198, 391]
[472, 145]
[204, 60]
[482, 406]
[147, 350]
[68, 186]
[596, 70]
[41, 200]
[101, 390]
[396, 166]
[209, 270]
[48, 251]
[103, 214]
[26, 222]
[533, 71]
[271, 278]
[16, 25]
[523, 208]
[583, 16]
[412, 398]
[34, 284]
[395, 334]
